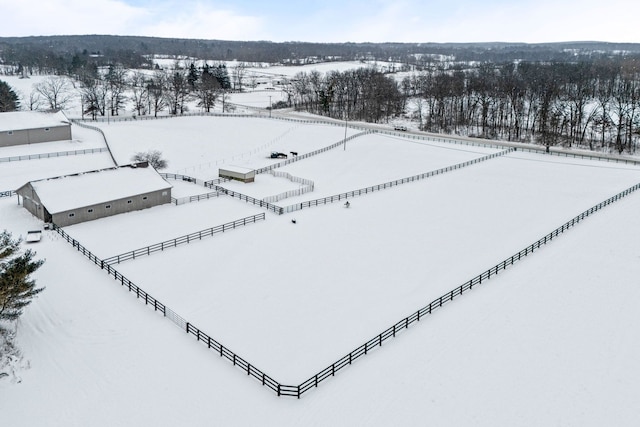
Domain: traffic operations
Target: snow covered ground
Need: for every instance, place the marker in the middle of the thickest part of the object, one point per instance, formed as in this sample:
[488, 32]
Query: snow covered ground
[199, 146]
[550, 341]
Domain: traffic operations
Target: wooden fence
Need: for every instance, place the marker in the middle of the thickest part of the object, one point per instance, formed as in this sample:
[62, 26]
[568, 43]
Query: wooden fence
[104, 137]
[354, 193]
[364, 349]
[197, 198]
[7, 193]
[269, 206]
[601, 158]
[51, 155]
[183, 240]
[186, 178]
[354, 125]
[307, 186]
[178, 320]
[310, 154]
[343, 196]
[403, 324]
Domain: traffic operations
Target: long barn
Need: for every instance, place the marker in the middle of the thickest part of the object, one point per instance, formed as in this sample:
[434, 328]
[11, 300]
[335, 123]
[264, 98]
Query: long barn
[29, 127]
[77, 198]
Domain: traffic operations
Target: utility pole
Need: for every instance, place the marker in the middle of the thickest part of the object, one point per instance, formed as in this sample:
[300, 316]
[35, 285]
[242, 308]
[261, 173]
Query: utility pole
[270, 106]
[346, 120]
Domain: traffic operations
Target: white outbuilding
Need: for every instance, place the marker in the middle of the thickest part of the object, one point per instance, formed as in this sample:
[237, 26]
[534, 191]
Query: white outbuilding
[238, 173]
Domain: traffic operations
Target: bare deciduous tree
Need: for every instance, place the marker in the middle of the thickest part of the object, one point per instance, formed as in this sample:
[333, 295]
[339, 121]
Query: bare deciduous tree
[56, 92]
[153, 157]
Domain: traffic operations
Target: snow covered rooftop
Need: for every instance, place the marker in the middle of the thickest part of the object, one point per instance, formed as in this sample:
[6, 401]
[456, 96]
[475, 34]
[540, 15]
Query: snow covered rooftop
[19, 120]
[90, 188]
[237, 169]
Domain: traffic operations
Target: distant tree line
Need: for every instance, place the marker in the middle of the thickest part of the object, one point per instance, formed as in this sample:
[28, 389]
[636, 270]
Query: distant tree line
[576, 96]
[594, 104]
[66, 54]
[28, 59]
[587, 104]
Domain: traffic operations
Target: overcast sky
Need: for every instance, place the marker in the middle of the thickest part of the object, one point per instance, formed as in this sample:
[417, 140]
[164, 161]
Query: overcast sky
[531, 21]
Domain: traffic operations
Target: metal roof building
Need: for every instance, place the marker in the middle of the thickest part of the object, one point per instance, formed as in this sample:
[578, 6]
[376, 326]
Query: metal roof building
[29, 127]
[72, 199]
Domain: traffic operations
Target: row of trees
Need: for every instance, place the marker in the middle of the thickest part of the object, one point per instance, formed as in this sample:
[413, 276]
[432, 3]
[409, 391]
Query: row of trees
[153, 92]
[360, 94]
[586, 104]
[589, 104]
[63, 54]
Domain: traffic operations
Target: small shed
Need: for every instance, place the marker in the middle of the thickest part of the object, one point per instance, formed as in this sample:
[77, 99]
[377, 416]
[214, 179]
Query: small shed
[29, 127]
[77, 198]
[238, 173]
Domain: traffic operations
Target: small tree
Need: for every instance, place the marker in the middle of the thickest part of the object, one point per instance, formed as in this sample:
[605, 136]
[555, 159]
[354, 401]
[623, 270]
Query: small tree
[154, 157]
[16, 288]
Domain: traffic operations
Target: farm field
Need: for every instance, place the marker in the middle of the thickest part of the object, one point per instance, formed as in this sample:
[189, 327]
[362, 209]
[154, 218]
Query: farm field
[386, 256]
[554, 331]
[198, 146]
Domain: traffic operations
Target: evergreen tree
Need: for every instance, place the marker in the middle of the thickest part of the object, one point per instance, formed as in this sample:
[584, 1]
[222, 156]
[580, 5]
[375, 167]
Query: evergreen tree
[222, 75]
[207, 90]
[16, 288]
[193, 76]
[8, 98]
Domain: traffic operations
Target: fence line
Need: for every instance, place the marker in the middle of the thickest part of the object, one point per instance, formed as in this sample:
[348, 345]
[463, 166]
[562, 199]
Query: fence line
[403, 324]
[354, 193]
[248, 199]
[310, 154]
[343, 196]
[97, 129]
[189, 238]
[54, 154]
[7, 193]
[178, 320]
[189, 199]
[197, 198]
[362, 350]
[308, 186]
[187, 178]
[580, 155]
[353, 125]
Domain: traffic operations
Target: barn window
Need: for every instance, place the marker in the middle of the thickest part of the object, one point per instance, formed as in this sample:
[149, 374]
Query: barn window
[107, 207]
[71, 215]
[144, 197]
[164, 193]
[47, 129]
[89, 210]
[129, 201]
[10, 132]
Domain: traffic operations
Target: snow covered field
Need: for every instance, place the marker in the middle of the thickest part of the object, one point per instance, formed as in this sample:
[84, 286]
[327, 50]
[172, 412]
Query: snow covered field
[198, 146]
[550, 341]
